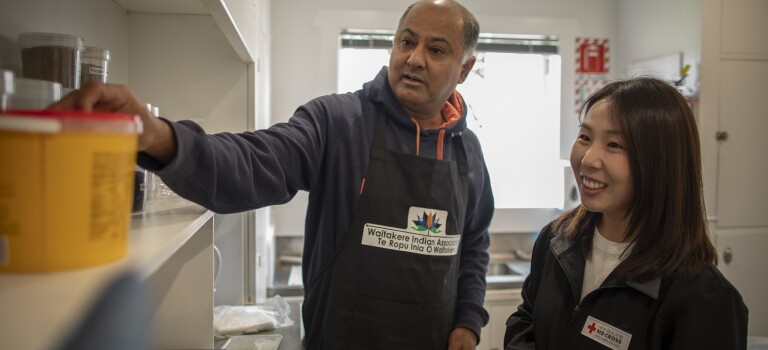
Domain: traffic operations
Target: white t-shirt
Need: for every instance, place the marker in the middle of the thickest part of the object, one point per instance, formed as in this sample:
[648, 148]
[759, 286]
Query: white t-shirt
[606, 255]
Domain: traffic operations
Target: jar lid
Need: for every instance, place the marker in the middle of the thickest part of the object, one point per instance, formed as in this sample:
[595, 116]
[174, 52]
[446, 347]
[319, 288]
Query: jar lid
[27, 40]
[96, 52]
[6, 82]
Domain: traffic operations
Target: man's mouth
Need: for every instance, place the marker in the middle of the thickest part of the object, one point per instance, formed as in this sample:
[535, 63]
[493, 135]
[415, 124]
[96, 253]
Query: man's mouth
[412, 78]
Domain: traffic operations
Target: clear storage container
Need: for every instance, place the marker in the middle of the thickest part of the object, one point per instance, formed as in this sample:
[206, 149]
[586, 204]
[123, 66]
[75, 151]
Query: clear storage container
[94, 65]
[51, 56]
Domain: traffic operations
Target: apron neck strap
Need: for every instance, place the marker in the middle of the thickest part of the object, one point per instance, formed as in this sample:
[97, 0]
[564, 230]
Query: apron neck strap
[380, 141]
[461, 153]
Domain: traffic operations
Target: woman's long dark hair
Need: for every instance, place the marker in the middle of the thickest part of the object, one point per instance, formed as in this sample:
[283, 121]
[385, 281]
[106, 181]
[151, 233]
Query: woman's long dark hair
[667, 222]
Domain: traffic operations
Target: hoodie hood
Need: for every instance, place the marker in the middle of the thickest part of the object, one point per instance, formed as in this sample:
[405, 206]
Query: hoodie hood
[378, 91]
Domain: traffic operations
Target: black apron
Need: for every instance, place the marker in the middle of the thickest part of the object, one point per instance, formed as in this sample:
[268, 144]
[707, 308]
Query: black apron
[392, 281]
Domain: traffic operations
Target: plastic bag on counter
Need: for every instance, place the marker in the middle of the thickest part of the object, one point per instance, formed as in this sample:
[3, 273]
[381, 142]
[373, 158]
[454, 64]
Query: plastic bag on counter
[231, 320]
[254, 342]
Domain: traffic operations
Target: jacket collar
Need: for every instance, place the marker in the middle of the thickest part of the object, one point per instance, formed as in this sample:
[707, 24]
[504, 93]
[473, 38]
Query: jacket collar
[570, 254]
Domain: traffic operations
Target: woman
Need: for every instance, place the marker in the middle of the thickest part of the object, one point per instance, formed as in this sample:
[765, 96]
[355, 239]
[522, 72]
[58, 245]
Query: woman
[632, 267]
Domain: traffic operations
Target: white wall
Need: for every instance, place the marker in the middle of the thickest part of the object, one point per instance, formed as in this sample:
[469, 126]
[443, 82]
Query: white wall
[303, 62]
[655, 28]
[675, 27]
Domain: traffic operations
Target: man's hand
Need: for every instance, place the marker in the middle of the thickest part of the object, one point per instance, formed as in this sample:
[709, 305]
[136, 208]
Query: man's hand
[462, 339]
[157, 138]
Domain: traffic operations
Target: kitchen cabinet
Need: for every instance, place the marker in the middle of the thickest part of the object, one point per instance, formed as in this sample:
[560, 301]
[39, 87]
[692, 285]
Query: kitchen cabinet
[733, 120]
[742, 195]
[742, 261]
[499, 304]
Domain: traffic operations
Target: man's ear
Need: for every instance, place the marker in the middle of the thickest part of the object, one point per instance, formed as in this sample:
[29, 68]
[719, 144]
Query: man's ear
[466, 67]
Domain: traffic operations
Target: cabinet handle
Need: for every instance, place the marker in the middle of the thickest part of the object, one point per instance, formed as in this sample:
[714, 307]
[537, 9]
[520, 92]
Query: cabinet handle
[721, 136]
[727, 255]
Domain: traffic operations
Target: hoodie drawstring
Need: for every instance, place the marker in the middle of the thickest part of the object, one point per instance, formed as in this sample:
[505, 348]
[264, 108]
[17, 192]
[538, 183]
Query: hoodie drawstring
[418, 134]
[440, 138]
[451, 112]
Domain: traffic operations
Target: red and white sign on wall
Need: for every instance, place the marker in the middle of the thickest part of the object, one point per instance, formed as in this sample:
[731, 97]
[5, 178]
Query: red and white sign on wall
[592, 56]
[592, 65]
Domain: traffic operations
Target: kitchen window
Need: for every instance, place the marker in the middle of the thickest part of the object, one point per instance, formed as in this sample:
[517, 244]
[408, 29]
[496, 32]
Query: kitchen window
[513, 94]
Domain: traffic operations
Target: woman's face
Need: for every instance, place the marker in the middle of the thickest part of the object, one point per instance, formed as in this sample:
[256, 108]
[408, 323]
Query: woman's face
[601, 165]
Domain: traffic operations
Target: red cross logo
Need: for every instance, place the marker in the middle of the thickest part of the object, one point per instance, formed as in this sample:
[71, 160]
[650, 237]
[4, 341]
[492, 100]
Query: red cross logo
[591, 328]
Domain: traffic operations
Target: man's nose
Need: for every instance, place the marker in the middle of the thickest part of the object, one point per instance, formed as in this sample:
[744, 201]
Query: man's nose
[416, 57]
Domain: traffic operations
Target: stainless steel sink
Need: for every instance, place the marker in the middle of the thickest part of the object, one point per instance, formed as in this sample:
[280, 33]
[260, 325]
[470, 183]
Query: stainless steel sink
[506, 274]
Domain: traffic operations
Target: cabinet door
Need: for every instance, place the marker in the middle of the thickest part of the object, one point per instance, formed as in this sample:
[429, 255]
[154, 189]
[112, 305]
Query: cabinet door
[744, 27]
[498, 320]
[492, 335]
[746, 271]
[742, 191]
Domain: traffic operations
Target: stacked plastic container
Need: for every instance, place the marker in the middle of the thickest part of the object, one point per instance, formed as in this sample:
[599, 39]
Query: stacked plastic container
[34, 94]
[6, 88]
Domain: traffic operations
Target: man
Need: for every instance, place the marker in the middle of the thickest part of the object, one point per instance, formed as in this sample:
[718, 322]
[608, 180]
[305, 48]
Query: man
[395, 249]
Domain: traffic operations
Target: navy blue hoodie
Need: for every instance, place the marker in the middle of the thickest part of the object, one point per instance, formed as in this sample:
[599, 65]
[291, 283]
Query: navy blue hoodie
[324, 149]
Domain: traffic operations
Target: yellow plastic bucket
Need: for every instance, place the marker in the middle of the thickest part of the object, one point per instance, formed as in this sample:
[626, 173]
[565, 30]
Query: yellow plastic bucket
[66, 188]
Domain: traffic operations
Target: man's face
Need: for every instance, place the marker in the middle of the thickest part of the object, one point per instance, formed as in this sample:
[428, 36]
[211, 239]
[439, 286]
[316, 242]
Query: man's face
[426, 61]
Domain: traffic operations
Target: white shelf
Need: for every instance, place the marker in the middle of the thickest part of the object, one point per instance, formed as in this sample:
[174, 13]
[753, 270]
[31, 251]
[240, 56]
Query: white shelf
[191, 7]
[234, 18]
[38, 309]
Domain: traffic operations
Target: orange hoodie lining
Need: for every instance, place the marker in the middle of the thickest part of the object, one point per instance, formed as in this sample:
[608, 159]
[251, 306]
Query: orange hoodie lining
[451, 112]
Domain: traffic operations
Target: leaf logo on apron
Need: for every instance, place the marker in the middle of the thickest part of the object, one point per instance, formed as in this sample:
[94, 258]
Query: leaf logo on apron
[427, 222]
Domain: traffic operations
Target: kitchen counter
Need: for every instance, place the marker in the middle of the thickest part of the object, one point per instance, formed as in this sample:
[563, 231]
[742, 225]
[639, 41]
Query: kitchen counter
[291, 335]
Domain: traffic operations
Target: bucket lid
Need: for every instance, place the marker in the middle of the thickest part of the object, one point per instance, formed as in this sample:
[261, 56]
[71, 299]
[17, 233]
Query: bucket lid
[6, 82]
[51, 121]
[50, 39]
[96, 52]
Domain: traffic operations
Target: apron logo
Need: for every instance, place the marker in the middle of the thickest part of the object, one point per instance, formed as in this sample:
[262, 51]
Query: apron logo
[605, 334]
[427, 222]
[426, 235]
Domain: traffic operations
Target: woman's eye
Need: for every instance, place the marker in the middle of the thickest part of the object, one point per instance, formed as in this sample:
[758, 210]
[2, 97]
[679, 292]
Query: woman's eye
[614, 145]
[583, 137]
